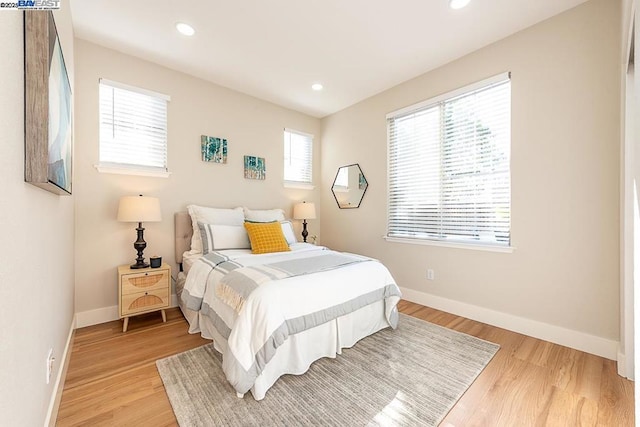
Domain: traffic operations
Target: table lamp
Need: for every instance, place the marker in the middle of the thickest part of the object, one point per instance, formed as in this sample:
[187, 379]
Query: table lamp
[139, 209]
[304, 211]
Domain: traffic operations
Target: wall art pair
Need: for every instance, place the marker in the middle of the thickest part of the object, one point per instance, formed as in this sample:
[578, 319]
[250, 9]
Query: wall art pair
[215, 150]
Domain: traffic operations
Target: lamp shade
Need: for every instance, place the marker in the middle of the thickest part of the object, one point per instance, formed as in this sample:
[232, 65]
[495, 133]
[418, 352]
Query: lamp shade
[304, 210]
[139, 209]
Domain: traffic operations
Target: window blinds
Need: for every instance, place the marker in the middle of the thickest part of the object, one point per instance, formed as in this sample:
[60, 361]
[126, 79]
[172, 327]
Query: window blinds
[133, 127]
[298, 157]
[449, 175]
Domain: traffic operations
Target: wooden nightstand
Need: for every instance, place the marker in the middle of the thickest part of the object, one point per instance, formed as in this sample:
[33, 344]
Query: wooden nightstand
[143, 291]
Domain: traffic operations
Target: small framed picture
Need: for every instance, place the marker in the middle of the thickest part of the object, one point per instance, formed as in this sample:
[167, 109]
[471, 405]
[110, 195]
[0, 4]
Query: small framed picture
[213, 149]
[254, 167]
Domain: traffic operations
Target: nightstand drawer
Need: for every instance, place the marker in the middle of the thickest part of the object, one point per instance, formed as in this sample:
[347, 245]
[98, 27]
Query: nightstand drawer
[144, 301]
[143, 291]
[144, 282]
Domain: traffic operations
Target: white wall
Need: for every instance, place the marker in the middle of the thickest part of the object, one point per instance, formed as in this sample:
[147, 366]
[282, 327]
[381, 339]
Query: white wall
[628, 6]
[563, 277]
[628, 176]
[37, 247]
[252, 127]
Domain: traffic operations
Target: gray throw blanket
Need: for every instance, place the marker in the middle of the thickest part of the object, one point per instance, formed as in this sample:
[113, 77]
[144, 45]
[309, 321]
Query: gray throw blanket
[235, 287]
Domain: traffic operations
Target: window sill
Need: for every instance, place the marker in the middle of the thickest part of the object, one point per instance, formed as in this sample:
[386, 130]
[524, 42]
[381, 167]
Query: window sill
[298, 185]
[457, 245]
[132, 171]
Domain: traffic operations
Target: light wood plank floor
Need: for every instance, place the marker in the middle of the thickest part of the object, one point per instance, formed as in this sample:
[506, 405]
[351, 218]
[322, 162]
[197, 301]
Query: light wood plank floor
[112, 379]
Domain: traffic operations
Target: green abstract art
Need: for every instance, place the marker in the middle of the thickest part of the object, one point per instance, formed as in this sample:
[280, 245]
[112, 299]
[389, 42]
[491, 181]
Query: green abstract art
[213, 149]
[254, 167]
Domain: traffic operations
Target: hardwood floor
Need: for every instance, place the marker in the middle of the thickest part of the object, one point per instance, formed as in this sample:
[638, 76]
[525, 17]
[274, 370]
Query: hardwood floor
[531, 382]
[112, 378]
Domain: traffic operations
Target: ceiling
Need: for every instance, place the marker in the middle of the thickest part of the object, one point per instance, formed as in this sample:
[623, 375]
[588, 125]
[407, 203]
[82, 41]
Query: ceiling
[276, 49]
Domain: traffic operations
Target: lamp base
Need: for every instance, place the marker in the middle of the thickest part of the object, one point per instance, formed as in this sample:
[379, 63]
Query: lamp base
[139, 265]
[139, 246]
[305, 233]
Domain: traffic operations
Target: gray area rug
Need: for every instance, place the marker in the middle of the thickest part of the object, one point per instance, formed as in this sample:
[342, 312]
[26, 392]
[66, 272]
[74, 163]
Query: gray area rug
[411, 376]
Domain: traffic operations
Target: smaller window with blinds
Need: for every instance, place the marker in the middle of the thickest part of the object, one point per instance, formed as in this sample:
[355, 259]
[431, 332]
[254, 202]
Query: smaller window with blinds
[449, 168]
[133, 130]
[298, 159]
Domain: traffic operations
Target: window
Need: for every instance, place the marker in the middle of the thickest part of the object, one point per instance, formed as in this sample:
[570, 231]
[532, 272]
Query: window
[449, 175]
[298, 158]
[133, 130]
[342, 179]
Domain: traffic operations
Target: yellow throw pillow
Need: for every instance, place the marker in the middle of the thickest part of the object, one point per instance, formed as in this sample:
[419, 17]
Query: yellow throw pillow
[266, 237]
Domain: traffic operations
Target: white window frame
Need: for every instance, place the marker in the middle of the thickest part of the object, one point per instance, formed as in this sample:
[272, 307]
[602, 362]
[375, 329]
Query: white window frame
[128, 168]
[441, 99]
[304, 185]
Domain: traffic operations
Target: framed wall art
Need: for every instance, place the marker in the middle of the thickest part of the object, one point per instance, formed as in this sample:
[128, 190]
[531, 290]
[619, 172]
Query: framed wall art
[48, 116]
[255, 167]
[213, 149]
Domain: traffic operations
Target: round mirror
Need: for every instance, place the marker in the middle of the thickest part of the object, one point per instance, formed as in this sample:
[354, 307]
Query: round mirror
[349, 186]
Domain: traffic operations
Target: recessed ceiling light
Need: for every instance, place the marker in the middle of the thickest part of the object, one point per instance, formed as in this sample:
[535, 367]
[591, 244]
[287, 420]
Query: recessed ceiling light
[316, 86]
[458, 4]
[185, 29]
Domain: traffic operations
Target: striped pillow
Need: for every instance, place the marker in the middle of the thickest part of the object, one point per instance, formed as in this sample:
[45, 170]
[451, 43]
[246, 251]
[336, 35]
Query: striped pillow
[217, 237]
[266, 237]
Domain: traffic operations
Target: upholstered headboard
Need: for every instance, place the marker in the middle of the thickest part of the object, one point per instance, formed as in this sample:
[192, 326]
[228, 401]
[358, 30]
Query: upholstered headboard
[184, 230]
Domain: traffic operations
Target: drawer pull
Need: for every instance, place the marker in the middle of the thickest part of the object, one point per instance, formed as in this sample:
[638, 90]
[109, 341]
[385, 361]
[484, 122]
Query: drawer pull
[146, 274]
[146, 293]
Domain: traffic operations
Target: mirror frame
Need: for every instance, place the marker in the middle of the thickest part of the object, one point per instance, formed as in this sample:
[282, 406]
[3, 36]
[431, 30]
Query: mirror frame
[363, 193]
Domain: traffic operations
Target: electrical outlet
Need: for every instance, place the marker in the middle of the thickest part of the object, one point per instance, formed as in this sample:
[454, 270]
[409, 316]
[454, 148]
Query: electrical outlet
[431, 275]
[50, 360]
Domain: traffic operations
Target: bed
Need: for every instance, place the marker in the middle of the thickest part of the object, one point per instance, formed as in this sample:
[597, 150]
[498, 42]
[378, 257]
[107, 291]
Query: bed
[268, 316]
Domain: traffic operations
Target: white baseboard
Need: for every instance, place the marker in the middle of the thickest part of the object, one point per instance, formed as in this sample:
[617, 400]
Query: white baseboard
[56, 396]
[106, 314]
[174, 300]
[97, 316]
[556, 334]
[622, 364]
[625, 367]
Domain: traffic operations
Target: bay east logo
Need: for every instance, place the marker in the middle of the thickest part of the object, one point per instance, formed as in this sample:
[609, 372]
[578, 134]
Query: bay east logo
[38, 4]
[31, 4]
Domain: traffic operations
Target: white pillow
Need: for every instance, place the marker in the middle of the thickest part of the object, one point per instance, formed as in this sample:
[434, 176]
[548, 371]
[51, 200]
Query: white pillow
[218, 237]
[216, 216]
[263, 215]
[289, 234]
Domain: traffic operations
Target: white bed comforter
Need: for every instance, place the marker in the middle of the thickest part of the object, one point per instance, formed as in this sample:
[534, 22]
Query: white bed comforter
[279, 308]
